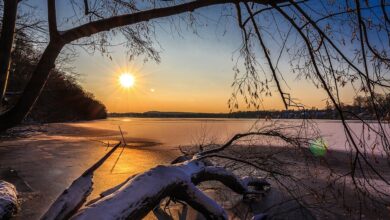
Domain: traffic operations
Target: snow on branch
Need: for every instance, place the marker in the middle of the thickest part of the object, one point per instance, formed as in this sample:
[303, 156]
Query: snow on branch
[8, 200]
[74, 197]
[141, 194]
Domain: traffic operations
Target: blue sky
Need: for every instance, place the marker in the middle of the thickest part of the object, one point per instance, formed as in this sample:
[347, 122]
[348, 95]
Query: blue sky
[195, 73]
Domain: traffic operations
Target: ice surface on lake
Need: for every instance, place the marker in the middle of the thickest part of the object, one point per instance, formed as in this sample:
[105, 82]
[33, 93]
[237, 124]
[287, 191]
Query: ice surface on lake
[173, 132]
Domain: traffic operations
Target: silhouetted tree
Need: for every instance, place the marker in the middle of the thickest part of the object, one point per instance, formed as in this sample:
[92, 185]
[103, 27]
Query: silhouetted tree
[62, 98]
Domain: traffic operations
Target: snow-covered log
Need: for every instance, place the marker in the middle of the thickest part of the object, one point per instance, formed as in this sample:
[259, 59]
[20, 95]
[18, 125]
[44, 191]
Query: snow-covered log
[110, 190]
[8, 200]
[138, 195]
[141, 194]
[73, 197]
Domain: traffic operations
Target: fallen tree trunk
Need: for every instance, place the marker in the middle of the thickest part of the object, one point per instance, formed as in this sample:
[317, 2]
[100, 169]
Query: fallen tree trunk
[8, 200]
[74, 197]
[138, 196]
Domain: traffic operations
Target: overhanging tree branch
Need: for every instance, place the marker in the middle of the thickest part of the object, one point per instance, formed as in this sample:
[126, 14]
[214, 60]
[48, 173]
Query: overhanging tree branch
[6, 42]
[17, 113]
[321, 32]
[267, 55]
[128, 19]
[338, 107]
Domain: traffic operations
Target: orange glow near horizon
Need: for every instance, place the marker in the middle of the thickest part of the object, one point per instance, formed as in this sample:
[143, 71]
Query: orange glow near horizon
[124, 86]
[132, 88]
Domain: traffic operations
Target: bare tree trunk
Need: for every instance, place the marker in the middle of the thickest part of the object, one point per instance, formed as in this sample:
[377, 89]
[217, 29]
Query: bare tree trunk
[6, 41]
[34, 87]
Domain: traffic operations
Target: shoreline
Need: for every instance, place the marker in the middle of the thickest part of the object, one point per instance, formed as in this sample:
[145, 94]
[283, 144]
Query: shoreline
[233, 118]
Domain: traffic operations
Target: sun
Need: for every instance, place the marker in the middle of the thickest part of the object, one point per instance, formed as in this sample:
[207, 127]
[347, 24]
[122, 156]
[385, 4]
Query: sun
[126, 80]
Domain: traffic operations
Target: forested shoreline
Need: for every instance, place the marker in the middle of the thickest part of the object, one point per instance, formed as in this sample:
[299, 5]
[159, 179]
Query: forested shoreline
[62, 99]
[360, 108]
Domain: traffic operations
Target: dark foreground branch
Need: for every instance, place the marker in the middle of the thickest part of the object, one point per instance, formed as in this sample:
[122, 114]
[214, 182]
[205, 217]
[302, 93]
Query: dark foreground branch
[271, 133]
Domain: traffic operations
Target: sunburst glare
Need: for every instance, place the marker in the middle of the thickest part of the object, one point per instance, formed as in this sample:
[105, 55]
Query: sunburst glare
[126, 80]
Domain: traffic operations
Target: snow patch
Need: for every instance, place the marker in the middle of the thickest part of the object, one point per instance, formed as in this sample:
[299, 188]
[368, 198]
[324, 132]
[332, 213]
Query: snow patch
[8, 199]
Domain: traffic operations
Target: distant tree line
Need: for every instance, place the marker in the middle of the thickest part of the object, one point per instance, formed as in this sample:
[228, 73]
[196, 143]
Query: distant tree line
[359, 109]
[362, 107]
[62, 98]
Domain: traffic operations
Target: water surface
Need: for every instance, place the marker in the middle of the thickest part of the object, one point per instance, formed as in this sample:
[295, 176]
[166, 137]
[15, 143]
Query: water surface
[174, 132]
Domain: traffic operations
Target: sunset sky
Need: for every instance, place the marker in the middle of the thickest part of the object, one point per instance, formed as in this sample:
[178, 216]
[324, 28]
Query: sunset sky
[195, 73]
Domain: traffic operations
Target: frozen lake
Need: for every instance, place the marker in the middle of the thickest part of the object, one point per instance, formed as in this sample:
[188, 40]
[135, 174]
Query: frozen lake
[44, 163]
[173, 132]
